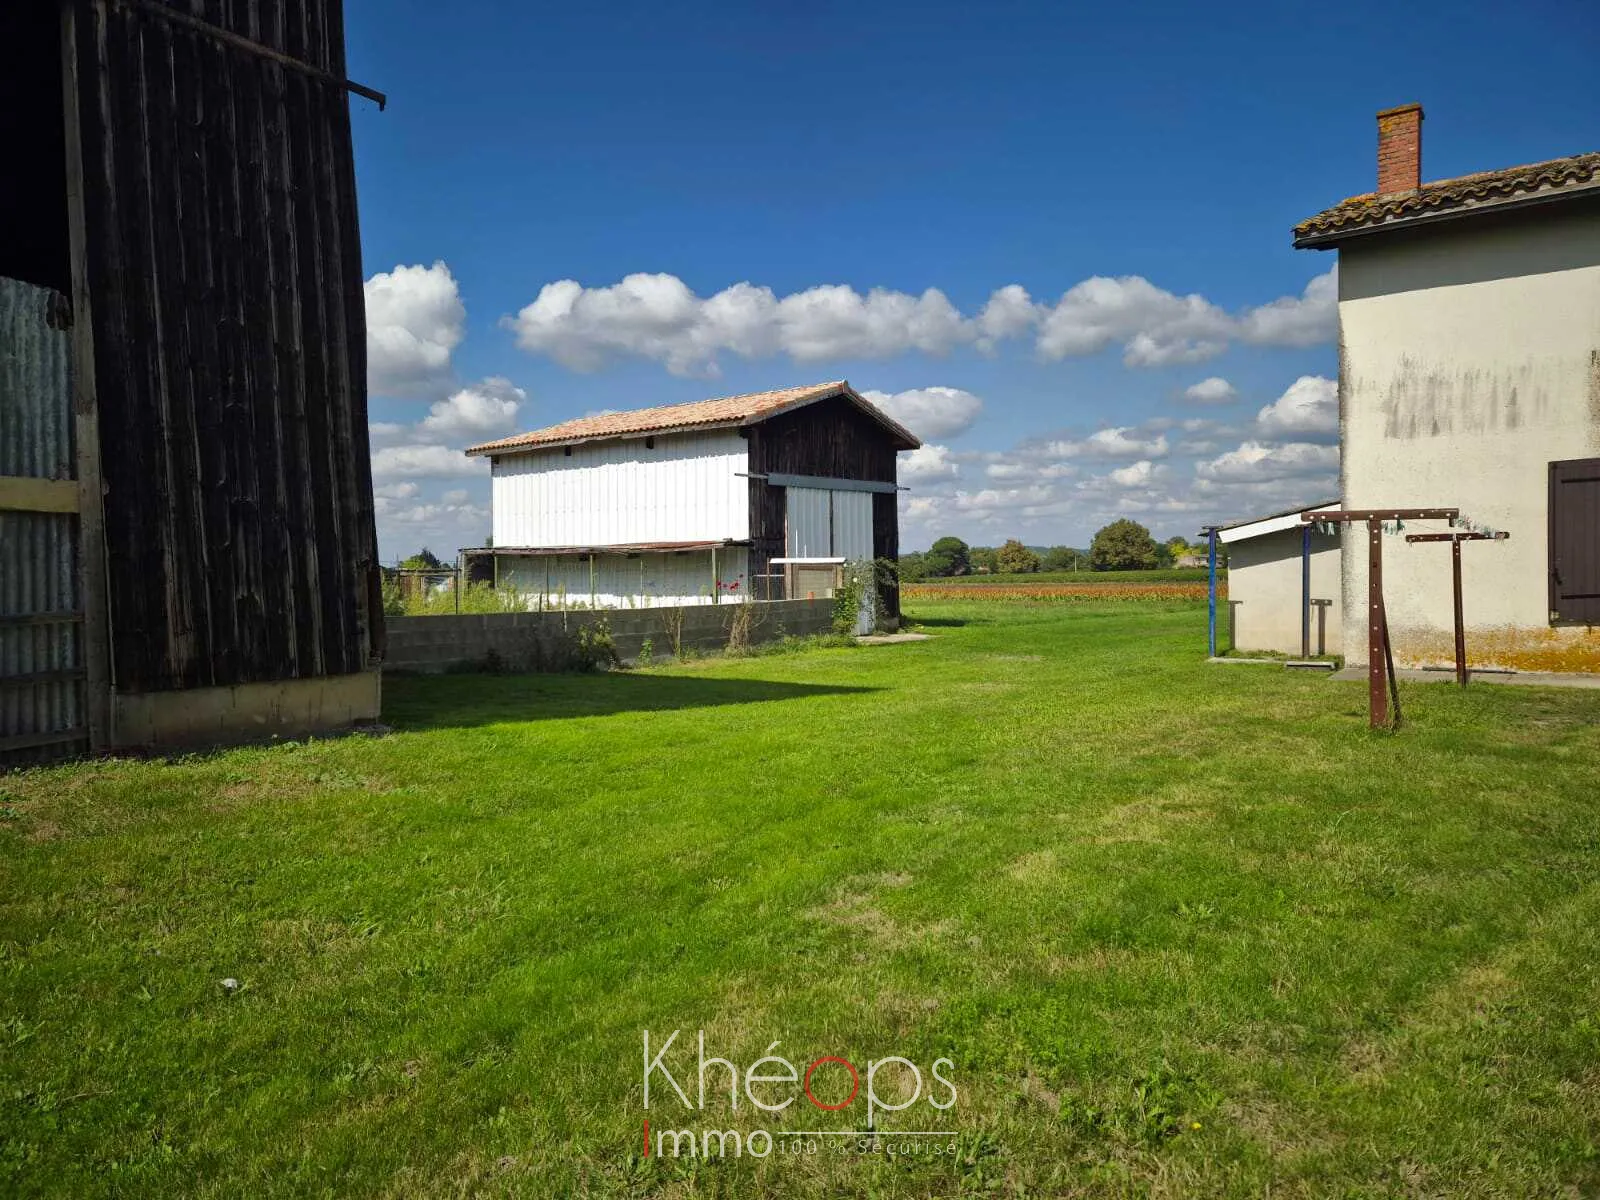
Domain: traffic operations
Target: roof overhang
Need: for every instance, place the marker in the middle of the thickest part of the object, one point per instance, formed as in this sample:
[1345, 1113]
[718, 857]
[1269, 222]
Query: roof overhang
[1243, 531]
[1331, 239]
[611, 548]
[904, 439]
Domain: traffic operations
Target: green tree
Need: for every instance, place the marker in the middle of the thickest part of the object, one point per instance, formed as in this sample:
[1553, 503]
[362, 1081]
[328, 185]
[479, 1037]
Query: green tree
[1123, 545]
[913, 566]
[1062, 558]
[948, 556]
[1015, 559]
[422, 560]
[983, 560]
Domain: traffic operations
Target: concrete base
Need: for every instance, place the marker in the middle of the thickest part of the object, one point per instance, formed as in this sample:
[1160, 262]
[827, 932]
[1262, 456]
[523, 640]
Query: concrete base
[1513, 678]
[891, 639]
[246, 712]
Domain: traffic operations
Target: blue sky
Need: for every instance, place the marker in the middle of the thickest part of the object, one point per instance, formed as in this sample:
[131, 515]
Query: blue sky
[1030, 229]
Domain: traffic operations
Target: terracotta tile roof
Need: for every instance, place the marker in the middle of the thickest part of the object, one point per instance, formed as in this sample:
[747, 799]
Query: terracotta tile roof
[1485, 190]
[720, 413]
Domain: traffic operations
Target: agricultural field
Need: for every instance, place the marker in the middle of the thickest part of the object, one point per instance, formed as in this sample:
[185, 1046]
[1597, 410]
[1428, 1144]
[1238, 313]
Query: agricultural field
[1177, 584]
[1170, 929]
[1094, 578]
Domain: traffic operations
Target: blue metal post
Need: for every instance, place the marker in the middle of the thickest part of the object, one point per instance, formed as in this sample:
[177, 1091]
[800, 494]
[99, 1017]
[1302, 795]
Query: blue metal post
[1211, 627]
[1305, 591]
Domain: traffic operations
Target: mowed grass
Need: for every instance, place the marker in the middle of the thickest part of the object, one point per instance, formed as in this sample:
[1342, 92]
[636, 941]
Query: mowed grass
[1182, 930]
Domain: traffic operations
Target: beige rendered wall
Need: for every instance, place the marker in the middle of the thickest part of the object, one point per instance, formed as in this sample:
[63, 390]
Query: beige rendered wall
[1469, 360]
[245, 713]
[1264, 584]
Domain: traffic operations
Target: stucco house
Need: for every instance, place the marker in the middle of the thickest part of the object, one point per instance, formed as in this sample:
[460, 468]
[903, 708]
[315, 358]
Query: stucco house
[758, 496]
[1469, 377]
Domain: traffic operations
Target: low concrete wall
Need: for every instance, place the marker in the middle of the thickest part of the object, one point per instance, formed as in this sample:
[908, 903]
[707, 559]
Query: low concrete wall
[526, 641]
[247, 712]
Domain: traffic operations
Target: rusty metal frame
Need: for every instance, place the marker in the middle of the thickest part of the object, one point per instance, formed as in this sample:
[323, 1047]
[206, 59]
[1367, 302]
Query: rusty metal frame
[1381, 683]
[1455, 540]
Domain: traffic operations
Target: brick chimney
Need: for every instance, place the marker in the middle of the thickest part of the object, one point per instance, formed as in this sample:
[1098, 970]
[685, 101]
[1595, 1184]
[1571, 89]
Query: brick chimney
[1400, 149]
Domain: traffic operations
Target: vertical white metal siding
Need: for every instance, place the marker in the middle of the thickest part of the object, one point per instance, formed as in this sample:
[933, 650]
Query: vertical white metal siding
[690, 487]
[621, 581]
[810, 523]
[852, 525]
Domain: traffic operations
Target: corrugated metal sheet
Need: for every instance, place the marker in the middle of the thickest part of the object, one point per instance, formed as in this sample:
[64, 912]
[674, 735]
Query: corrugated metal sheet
[689, 488]
[810, 523]
[852, 525]
[621, 581]
[824, 522]
[35, 404]
[41, 689]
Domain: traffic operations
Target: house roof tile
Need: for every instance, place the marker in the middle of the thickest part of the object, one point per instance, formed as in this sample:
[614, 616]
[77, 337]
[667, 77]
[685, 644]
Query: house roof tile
[1576, 174]
[722, 412]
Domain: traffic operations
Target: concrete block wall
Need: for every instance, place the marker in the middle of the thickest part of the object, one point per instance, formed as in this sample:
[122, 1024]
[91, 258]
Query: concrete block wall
[525, 641]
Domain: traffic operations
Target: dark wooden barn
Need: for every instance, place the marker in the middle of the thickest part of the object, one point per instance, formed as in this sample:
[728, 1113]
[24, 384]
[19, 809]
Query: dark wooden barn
[834, 440]
[180, 230]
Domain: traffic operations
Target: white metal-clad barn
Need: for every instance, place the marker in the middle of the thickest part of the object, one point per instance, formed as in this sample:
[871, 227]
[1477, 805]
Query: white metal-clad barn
[693, 503]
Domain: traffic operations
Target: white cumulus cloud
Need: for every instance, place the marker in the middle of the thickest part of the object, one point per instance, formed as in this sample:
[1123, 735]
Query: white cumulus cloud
[660, 318]
[1309, 319]
[424, 461]
[930, 412]
[1214, 390]
[1310, 405]
[485, 410]
[415, 320]
[1136, 474]
[927, 464]
[1255, 462]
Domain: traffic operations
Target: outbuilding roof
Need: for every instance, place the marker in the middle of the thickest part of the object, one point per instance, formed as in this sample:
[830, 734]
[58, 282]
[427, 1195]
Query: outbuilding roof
[1557, 179]
[1243, 531]
[723, 412]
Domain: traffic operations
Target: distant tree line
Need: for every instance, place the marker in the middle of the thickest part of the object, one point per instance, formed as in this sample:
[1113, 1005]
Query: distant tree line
[1123, 545]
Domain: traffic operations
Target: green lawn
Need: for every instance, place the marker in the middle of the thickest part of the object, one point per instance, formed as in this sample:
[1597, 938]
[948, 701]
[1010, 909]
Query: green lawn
[1182, 931]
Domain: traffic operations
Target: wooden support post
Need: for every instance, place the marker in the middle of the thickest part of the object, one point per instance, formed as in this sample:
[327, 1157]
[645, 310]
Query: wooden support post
[1377, 640]
[97, 660]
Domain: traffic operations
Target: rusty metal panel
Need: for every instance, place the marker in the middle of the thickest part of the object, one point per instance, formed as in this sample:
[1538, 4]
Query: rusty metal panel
[41, 676]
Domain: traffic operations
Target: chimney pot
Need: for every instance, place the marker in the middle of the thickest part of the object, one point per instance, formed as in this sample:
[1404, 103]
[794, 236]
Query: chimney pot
[1400, 149]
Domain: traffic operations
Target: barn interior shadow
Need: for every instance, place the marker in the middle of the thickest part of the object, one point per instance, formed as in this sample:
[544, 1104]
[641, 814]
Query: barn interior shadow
[417, 702]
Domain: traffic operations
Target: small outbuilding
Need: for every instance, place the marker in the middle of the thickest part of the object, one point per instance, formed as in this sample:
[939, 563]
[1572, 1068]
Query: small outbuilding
[762, 496]
[1283, 582]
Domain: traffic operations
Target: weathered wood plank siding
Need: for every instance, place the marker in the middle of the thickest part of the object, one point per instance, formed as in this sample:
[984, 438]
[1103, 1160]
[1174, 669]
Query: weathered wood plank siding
[230, 345]
[831, 439]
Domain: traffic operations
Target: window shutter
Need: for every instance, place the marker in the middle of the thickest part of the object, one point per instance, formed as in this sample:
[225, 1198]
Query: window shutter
[1575, 542]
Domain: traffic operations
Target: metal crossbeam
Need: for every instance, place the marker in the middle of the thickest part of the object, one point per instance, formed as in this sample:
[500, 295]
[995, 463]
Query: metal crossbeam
[1381, 514]
[1455, 540]
[1381, 684]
